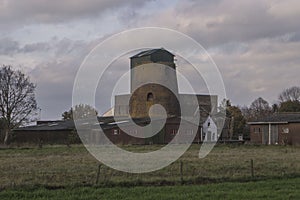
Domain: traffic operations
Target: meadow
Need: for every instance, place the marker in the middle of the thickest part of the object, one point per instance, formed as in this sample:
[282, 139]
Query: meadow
[72, 172]
[266, 189]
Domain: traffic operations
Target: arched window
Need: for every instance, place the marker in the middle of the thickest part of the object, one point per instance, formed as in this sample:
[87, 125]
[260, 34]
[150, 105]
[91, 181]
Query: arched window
[150, 96]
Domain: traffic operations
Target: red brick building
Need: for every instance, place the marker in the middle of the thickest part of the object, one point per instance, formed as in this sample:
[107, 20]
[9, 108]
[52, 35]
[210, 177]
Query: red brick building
[280, 128]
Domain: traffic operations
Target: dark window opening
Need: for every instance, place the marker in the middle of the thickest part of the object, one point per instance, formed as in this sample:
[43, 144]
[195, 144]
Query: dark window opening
[150, 96]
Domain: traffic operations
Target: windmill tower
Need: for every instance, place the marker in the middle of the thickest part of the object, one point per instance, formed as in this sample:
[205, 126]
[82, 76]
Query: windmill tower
[145, 92]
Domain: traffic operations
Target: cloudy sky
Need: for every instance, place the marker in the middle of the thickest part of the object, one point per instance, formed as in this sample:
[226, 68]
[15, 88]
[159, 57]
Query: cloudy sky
[255, 43]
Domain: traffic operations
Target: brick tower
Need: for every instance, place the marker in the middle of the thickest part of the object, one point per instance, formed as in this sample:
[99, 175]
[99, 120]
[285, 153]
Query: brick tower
[147, 69]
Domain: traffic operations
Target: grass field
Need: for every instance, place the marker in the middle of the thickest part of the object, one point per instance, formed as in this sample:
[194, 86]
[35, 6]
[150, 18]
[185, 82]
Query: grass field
[70, 172]
[268, 189]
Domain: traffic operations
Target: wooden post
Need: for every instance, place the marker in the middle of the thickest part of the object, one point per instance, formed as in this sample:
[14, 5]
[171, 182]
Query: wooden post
[201, 134]
[98, 174]
[269, 136]
[252, 169]
[181, 172]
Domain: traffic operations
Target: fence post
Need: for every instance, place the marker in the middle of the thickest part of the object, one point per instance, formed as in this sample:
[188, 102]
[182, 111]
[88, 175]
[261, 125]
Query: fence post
[181, 172]
[252, 169]
[98, 174]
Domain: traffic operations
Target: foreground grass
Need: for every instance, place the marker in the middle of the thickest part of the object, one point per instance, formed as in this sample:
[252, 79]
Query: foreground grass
[268, 189]
[60, 166]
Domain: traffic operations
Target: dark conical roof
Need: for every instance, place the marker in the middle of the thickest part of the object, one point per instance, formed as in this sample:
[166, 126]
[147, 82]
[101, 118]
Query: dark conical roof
[149, 52]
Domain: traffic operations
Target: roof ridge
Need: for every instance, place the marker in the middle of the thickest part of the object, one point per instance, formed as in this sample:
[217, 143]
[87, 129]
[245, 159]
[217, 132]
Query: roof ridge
[149, 52]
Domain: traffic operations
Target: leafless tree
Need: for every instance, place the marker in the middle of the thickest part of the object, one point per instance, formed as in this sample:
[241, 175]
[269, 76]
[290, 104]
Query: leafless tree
[17, 99]
[290, 94]
[247, 113]
[260, 108]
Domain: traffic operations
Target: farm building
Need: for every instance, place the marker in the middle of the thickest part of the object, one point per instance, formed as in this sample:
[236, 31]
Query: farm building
[46, 132]
[117, 135]
[279, 128]
[64, 132]
[150, 84]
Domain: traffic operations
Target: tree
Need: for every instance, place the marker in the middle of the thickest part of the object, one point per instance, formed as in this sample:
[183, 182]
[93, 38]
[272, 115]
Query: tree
[290, 100]
[80, 111]
[260, 108]
[224, 105]
[290, 106]
[17, 99]
[2, 125]
[290, 94]
[237, 120]
[275, 108]
[247, 113]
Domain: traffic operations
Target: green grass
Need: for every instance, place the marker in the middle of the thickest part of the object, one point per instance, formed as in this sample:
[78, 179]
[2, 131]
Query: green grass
[60, 166]
[267, 189]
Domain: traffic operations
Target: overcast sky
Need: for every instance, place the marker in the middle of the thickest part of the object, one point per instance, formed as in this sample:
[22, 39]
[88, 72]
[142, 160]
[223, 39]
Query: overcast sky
[255, 43]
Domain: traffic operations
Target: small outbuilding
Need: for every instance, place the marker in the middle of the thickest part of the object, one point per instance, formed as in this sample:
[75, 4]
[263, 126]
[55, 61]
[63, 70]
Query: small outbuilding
[279, 128]
[210, 131]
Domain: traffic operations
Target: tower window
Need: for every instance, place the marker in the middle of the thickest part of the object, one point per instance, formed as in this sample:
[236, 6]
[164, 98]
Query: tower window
[150, 96]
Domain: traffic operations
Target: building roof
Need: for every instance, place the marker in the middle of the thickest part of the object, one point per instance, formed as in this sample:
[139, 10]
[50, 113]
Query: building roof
[149, 52]
[104, 122]
[278, 118]
[49, 126]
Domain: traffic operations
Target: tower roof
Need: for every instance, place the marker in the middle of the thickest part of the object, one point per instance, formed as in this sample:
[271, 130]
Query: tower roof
[150, 52]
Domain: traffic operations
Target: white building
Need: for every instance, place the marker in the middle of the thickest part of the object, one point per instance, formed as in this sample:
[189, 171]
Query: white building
[210, 130]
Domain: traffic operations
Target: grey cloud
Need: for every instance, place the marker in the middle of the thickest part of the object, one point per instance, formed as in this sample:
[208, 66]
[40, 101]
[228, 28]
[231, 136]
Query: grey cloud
[14, 12]
[39, 46]
[213, 23]
[55, 75]
[264, 70]
[239, 21]
[231, 48]
[64, 46]
[67, 46]
[54, 87]
[8, 46]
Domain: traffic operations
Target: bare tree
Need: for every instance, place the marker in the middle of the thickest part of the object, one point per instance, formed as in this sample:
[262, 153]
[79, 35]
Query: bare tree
[290, 94]
[247, 113]
[260, 108]
[17, 99]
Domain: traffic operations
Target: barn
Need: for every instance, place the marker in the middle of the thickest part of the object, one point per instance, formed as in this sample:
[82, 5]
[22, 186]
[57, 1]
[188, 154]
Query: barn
[46, 132]
[279, 128]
